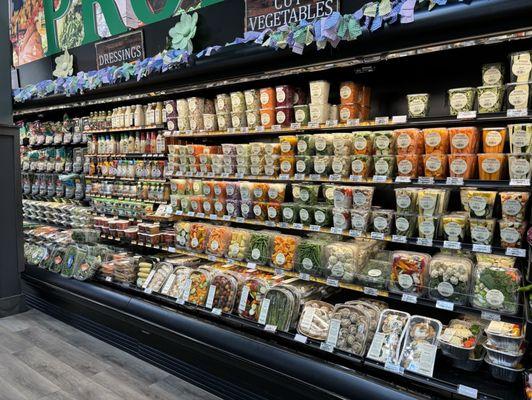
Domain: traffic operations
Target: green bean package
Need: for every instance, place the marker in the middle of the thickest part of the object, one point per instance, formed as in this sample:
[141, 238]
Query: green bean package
[283, 304]
[309, 257]
[260, 247]
[306, 214]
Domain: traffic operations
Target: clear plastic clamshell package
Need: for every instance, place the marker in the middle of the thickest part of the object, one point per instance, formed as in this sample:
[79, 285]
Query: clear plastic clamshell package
[409, 272]
[494, 288]
[225, 290]
[309, 257]
[199, 286]
[260, 247]
[449, 278]
[250, 297]
[459, 339]
[386, 344]
[314, 320]
[353, 330]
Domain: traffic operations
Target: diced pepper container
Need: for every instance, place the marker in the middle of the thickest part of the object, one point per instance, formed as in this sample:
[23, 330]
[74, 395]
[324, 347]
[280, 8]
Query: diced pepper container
[302, 114]
[319, 92]
[436, 140]
[409, 141]
[252, 98]
[239, 244]
[374, 273]
[511, 233]
[362, 165]
[461, 100]
[284, 116]
[409, 272]
[454, 226]
[435, 165]
[340, 261]
[276, 192]
[290, 212]
[224, 121]
[323, 144]
[506, 374]
[342, 144]
[464, 140]
[199, 286]
[260, 191]
[267, 98]
[198, 236]
[349, 112]
[418, 105]
[260, 247]
[288, 145]
[409, 165]
[462, 165]
[272, 149]
[503, 358]
[223, 104]
[238, 119]
[520, 138]
[319, 113]
[182, 108]
[519, 166]
[253, 118]
[246, 191]
[493, 74]
[219, 241]
[490, 98]
[284, 95]
[284, 252]
[450, 278]
[267, 117]
[300, 96]
[384, 166]
[519, 96]
[505, 335]
[495, 289]
[238, 102]
[478, 203]
[491, 167]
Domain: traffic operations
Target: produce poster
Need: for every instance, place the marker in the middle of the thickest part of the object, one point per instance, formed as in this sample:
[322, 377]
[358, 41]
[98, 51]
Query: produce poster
[39, 28]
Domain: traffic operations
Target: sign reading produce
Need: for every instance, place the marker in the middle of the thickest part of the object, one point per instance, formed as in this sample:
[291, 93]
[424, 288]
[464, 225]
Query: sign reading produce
[268, 14]
[119, 50]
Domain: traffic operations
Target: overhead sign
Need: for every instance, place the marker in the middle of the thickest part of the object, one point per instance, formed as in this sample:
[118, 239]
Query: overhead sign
[269, 14]
[120, 49]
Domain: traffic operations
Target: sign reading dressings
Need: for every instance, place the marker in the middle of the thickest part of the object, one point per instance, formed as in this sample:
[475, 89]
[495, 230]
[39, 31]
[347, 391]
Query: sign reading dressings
[264, 14]
[119, 50]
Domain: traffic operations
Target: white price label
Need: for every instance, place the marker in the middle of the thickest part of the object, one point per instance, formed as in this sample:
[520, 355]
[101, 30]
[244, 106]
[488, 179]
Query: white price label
[382, 120]
[270, 328]
[299, 177]
[377, 235]
[517, 113]
[171, 249]
[210, 257]
[303, 276]
[264, 307]
[251, 265]
[180, 301]
[259, 128]
[284, 177]
[300, 338]
[226, 218]
[191, 213]
[467, 391]
[313, 125]
[424, 242]
[148, 290]
[409, 298]
[354, 233]
[467, 115]
[355, 178]
[447, 244]
[403, 179]
[380, 178]
[269, 223]
[179, 212]
[335, 177]
[231, 130]
[279, 271]
[425, 180]
[243, 298]
[240, 219]
[445, 305]
[148, 279]
[334, 330]
[295, 125]
[213, 216]
[314, 177]
[329, 348]
[210, 296]
[353, 122]
[338, 231]
[515, 252]
[371, 291]
[315, 228]
[490, 316]
[108, 279]
[332, 282]
[186, 290]
[519, 182]
[454, 181]
[399, 119]
[168, 285]
[482, 248]
[395, 368]
[276, 128]
[331, 123]
[244, 129]
[398, 239]
[297, 226]
[216, 311]
[239, 175]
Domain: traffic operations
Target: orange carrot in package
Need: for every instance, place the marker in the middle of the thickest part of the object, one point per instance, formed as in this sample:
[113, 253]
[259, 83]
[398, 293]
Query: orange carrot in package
[493, 140]
[436, 140]
[409, 165]
[409, 141]
[491, 166]
[464, 140]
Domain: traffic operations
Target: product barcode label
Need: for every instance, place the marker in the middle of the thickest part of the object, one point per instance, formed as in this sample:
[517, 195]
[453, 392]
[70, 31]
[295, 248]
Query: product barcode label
[299, 177]
[108, 279]
[270, 328]
[424, 242]
[519, 182]
[398, 119]
[482, 248]
[326, 347]
[334, 330]
[211, 257]
[186, 290]
[447, 244]
[315, 228]
[313, 125]
[284, 177]
[300, 338]
[371, 291]
[179, 212]
[515, 252]
[148, 279]
[425, 180]
[244, 129]
[279, 271]
[276, 128]
[191, 213]
[168, 284]
[403, 179]
[259, 128]
[445, 305]
[395, 368]
[231, 130]
[467, 115]
[355, 178]
[314, 177]
[336, 230]
[210, 296]
[377, 235]
[380, 178]
[269, 223]
[455, 181]
[332, 282]
[354, 233]
[490, 316]
[251, 265]
[467, 391]
[217, 311]
[148, 290]
[409, 298]
[398, 239]
[243, 298]
[171, 249]
[297, 226]
[330, 123]
[180, 301]
[264, 307]
[240, 219]
[335, 177]
[226, 218]
[295, 125]
[523, 112]
[303, 276]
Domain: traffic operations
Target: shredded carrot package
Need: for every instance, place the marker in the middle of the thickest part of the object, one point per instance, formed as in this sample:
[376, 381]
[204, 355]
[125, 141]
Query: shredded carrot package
[491, 166]
[464, 140]
[409, 165]
[435, 165]
[436, 140]
[493, 140]
[409, 141]
[284, 250]
[463, 165]
[219, 241]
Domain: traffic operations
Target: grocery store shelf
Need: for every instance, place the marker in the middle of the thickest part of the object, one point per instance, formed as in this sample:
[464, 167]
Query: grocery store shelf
[119, 130]
[82, 203]
[44, 146]
[332, 126]
[125, 199]
[129, 155]
[396, 297]
[358, 180]
[119, 179]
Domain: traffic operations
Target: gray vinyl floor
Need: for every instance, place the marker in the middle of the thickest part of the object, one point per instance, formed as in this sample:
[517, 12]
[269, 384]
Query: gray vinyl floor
[43, 358]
